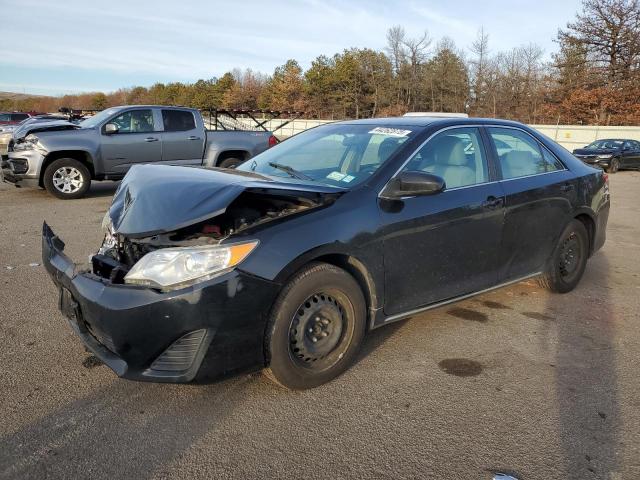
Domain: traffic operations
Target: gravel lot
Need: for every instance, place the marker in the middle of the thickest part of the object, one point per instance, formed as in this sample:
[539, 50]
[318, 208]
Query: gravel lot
[550, 387]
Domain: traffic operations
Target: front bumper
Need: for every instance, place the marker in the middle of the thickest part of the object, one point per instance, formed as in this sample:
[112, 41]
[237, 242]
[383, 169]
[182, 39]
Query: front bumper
[22, 168]
[603, 163]
[213, 328]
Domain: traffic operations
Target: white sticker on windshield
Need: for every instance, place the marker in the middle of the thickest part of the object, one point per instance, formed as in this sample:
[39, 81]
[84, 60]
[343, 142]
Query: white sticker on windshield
[337, 176]
[348, 178]
[391, 132]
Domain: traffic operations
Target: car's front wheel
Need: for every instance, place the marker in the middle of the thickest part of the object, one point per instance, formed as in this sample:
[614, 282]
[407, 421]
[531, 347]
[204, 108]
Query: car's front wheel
[614, 166]
[67, 178]
[569, 259]
[316, 327]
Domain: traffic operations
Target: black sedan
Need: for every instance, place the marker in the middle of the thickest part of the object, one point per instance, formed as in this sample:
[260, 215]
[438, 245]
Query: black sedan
[611, 154]
[287, 262]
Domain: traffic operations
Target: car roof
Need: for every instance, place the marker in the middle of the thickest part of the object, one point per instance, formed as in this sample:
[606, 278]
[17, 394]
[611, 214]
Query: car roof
[432, 121]
[121, 107]
[612, 140]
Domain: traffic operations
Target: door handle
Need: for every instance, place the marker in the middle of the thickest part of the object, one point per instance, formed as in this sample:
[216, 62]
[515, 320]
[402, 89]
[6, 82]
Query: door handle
[193, 137]
[493, 202]
[567, 187]
[151, 139]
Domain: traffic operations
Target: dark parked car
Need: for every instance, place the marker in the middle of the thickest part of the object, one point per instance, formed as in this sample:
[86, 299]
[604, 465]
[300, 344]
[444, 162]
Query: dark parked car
[611, 154]
[286, 262]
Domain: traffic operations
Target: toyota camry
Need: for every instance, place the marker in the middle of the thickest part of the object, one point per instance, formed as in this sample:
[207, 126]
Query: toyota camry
[287, 262]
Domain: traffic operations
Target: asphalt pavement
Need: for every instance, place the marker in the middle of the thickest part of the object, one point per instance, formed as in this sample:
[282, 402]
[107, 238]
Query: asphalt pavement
[519, 380]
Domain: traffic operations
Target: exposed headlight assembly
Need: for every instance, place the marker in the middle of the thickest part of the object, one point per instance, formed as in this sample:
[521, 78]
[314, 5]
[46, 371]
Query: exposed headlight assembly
[30, 143]
[172, 268]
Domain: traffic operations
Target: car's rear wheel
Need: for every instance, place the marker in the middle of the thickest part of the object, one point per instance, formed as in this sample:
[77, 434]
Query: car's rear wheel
[569, 259]
[316, 327]
[67, 178]
[614, 166]
[230, 162]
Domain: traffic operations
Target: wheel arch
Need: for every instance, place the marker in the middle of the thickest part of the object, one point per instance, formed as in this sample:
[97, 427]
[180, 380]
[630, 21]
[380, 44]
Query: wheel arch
[589, 223]
[240, 154]
[351, 264]
[80, 155]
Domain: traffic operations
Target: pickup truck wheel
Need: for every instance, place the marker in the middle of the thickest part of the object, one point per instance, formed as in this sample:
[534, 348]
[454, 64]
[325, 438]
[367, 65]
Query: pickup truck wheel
[67, 178]
[316, 327]
[569, 259]
[230, 162]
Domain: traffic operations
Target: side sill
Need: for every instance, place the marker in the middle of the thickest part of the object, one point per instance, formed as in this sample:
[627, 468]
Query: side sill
[410, 313]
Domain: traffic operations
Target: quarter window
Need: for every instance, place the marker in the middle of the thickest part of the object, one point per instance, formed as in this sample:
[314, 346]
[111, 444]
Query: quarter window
[456, 155]
[177, 120]
[134, 121]
[520, 155]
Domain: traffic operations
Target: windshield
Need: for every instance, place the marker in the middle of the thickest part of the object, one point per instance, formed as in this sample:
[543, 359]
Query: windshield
[605, 144]
[337, 154]
[98, 118]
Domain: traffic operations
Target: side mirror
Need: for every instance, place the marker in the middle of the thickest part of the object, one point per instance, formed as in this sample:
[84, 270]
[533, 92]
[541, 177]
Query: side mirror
[111, 128]
[411, 184]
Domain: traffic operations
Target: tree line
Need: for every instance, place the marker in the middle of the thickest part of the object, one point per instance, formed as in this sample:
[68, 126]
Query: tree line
[592, 78]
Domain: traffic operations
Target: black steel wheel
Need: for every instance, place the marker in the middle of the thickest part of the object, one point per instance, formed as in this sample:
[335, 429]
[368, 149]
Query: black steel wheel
[569, 259]
[316, 327]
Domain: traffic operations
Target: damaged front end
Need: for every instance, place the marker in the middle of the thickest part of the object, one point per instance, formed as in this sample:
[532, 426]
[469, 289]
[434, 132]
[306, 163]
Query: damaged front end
[251, 210]
[163, 300]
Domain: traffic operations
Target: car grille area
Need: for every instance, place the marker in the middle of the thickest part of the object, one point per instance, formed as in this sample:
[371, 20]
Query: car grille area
[181, 354]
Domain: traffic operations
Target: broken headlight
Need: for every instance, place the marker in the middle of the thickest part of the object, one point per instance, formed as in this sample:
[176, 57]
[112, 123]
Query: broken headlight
[29, 143]
[171, 268]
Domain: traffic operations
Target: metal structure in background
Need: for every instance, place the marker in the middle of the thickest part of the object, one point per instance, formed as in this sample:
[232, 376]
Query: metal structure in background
[236, 119]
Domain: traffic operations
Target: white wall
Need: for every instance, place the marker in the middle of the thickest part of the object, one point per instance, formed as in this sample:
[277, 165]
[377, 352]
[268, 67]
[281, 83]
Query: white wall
[569, 136]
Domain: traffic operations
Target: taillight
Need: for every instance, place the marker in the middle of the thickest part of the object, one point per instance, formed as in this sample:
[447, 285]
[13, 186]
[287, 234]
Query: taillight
[605, 176]
[272, 141]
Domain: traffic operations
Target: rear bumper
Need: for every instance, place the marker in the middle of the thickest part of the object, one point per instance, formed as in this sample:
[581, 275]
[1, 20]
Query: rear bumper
[213, 328]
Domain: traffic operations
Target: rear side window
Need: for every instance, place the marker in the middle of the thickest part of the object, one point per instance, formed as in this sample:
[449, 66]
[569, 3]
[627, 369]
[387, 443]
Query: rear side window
[18, 117]
[178, 120]
[520, 155]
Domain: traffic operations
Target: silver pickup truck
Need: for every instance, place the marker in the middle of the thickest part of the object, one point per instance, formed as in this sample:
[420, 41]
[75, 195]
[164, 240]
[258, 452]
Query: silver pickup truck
[105, 146]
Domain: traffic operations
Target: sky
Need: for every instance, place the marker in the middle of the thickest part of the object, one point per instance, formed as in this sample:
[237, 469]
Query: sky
[53, 47]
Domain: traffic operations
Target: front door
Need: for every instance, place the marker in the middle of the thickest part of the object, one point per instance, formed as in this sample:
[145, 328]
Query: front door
[444, 245]
[136, 141]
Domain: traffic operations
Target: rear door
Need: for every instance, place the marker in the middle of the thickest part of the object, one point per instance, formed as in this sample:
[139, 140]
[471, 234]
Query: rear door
[539, 192]
[182, 140]
[445, 245]
[137, 140]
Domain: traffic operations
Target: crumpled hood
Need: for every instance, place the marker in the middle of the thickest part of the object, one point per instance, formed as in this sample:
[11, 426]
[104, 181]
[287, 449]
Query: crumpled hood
[591, 151]
[21, 132]
[154, 199]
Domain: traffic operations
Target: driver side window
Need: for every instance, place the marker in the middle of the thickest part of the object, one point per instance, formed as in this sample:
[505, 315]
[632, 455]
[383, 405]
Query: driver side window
[134, 121]
[456, 155]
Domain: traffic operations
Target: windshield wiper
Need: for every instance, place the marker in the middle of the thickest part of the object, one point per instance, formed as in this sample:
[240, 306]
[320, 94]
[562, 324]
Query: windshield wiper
[291, 171]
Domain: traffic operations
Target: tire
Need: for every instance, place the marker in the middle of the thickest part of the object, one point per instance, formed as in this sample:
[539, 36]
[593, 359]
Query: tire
[321, 302]
[67, 179]
[230, 162]
[569, 259]
[615, 166]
